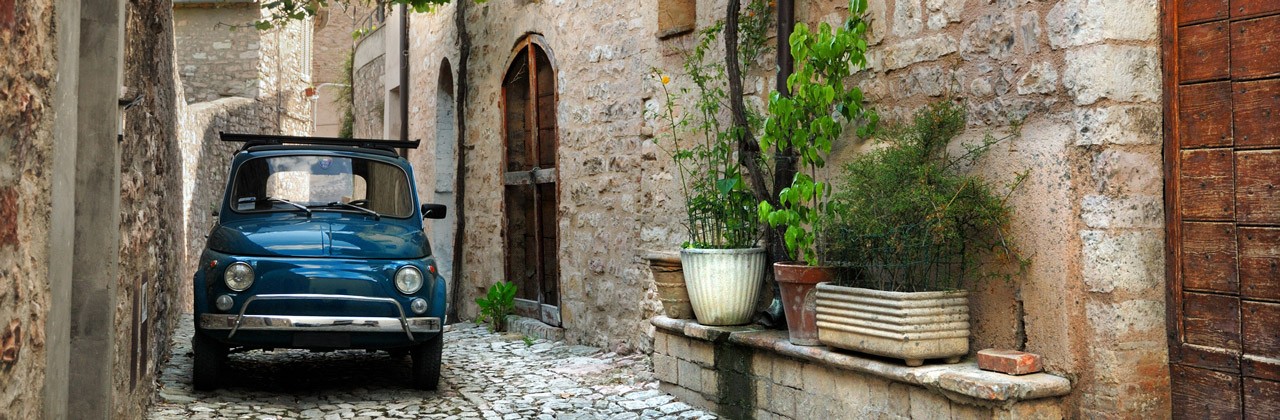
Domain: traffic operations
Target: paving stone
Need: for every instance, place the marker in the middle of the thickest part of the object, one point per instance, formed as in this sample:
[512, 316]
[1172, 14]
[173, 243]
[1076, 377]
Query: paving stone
[485, 375]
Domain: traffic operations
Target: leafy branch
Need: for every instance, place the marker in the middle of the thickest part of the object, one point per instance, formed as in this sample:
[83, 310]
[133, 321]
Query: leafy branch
[811, 119]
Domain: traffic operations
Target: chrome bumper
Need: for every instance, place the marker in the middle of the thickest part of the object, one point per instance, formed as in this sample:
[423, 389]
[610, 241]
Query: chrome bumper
[240, 321]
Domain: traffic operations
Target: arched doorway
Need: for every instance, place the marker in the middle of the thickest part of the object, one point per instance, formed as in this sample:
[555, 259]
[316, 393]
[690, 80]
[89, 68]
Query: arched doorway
[443, 230]
[530, 178]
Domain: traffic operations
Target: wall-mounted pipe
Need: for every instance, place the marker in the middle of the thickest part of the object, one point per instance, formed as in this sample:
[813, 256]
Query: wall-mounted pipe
[404, 72]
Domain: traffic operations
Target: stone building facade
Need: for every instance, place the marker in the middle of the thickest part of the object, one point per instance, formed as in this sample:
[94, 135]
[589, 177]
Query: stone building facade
[331, 49]
[1083, 81]
[87, 248]
[221, 54]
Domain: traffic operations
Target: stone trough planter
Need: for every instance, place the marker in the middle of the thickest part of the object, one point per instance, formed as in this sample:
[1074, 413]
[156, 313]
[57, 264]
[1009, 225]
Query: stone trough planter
[912, 326]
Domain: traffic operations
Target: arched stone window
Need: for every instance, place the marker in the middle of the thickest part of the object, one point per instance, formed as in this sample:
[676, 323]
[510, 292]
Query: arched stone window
[446, 165]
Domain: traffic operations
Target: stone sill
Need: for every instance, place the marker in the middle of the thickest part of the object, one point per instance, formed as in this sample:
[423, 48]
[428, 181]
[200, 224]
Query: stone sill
[962, 379]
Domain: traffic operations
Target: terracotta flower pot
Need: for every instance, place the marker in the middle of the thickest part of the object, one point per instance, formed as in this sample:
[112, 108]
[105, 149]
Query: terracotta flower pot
[912, 326]
[723, 283]
[669, 277]
[796, 282]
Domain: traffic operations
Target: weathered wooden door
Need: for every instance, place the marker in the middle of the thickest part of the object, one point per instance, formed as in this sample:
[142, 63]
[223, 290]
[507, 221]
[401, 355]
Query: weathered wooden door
[529, 113]
[1222, 160]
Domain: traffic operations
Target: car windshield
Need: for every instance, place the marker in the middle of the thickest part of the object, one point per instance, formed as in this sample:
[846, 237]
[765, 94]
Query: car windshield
[283, 183]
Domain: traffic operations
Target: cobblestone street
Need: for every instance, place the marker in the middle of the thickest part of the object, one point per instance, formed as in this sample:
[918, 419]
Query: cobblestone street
[499, 376]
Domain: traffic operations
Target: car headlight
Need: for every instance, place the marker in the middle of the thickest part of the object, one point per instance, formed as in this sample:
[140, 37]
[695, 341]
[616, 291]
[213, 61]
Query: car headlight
[408, 279]
[239, 276]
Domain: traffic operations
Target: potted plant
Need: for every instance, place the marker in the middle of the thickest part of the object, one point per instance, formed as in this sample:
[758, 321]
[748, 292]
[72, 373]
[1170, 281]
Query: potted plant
[909, 227]
[722, 264]
[808, 121]
[668, 276]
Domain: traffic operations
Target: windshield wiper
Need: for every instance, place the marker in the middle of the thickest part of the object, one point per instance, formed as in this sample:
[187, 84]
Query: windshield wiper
[281, 200]
[375, 214]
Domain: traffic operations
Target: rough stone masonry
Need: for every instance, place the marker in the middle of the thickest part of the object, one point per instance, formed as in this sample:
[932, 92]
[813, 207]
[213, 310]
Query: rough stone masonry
[1080, 81]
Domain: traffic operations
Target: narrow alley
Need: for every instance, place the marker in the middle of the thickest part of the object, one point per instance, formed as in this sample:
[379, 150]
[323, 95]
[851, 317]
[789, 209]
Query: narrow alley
[675, 209]
[485, 375]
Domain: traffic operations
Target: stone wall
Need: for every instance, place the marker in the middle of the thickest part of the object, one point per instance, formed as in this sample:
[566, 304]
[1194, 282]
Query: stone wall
[148, 225]
[148, 289]
[27, 75]
[369, 98]
[285, 72]
[745, 373]
[1083, 80]
[220, 54]
[218, 51]
[332, 47]
[205, 162]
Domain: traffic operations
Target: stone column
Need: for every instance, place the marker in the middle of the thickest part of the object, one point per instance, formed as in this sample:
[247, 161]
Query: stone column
[95, 259]
[62, 219]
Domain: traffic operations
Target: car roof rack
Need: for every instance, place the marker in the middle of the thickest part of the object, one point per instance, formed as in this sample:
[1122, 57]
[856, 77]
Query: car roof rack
[253, 140]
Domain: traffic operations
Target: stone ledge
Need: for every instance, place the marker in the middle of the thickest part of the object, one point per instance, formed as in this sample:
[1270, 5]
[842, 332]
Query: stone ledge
[962, 379]
[534, 328]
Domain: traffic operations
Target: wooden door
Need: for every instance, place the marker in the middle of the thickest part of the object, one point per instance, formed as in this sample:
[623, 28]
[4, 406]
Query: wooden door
[530, 193]
[1222, 162]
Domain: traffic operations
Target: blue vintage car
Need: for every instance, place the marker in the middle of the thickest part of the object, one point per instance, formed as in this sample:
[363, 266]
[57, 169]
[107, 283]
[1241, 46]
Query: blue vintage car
[319, 245]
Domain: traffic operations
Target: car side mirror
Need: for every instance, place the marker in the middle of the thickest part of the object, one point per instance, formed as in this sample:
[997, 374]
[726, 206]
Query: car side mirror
[433, 211]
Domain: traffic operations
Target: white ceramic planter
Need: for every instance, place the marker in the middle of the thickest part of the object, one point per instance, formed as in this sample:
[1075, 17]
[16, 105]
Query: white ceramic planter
[723, 283]
[912, 326]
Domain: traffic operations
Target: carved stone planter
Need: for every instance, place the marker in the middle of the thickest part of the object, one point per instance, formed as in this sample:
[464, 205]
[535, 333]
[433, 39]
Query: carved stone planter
[723, 283]
[912, 326]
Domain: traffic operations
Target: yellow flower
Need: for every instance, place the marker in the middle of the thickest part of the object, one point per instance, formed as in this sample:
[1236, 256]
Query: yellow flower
[666, 79]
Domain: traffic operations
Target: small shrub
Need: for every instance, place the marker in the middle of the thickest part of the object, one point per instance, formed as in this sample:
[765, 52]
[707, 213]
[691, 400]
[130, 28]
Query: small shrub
[906, 220]
[497, 304]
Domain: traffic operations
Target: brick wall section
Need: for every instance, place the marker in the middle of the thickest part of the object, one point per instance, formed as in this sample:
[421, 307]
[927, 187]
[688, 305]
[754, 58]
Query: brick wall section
[26, 118]
[742, 382]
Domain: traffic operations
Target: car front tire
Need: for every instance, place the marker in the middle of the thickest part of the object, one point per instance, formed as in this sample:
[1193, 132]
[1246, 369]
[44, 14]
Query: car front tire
[426, 363]
[209, 358]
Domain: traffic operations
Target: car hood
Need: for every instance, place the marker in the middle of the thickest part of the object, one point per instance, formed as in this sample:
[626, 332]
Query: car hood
[345, 239]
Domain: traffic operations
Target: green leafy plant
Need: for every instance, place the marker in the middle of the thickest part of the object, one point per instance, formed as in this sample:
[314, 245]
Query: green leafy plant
[497, 304]
[811, 119]
[718, 202]
[346, 97]
[904, 217]
[528, 341]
